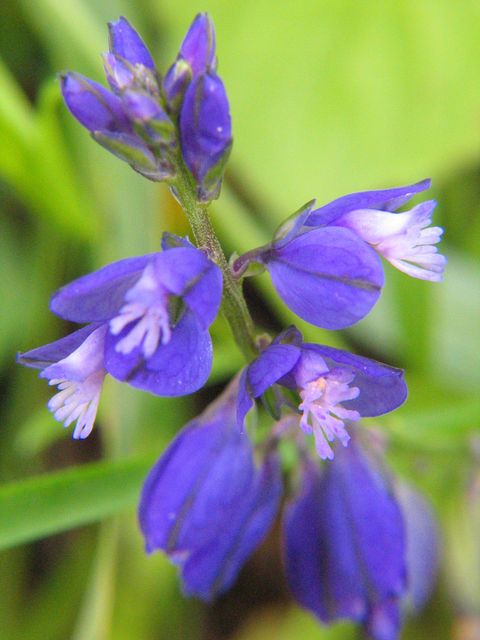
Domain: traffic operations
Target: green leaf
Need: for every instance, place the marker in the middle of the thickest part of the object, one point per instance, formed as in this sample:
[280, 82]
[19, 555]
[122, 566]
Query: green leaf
[35, 160]
[54, 502]
[328, 98]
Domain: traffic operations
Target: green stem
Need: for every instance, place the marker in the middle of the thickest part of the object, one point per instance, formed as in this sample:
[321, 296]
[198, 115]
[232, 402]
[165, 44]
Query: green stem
[233, 306]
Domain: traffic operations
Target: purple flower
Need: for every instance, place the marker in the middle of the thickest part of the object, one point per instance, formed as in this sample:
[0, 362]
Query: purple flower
[327, 276]
[334, 387]
[206, 503]
[405, 238]
[131, 121]
[206, 133]
[126, 44]
[196, 56]
[345, 545]
[74, 364]
[156, 125]
[197, 94]
[358, 543]
[149, 316]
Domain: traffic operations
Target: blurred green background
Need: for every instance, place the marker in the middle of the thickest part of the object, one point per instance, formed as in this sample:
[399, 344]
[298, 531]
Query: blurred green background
[326, 98]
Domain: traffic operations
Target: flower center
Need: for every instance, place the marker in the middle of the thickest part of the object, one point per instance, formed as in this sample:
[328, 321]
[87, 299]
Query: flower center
[77, 401]
[322, 411]
[147, 307]
[414, 251]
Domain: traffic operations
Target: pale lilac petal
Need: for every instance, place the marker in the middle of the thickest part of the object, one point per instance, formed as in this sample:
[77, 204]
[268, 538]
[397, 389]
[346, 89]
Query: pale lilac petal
[83, 362]
[386, 199]
[48, 354]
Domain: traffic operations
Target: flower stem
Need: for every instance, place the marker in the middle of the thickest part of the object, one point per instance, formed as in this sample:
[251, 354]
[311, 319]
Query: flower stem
[233, 306]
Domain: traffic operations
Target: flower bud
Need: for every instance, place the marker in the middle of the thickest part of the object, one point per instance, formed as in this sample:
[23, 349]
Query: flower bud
[92, 105]
[206, 133]
[126, 43]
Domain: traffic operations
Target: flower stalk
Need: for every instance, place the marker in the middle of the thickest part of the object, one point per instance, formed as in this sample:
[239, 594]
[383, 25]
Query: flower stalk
[233, 305]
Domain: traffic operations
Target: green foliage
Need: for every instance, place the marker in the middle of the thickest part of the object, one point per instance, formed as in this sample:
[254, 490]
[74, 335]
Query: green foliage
[326, 98]
[40, 506]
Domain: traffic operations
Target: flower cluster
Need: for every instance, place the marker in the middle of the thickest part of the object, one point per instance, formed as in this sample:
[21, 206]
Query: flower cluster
[358, 543]
[157, 124]
[148, 320]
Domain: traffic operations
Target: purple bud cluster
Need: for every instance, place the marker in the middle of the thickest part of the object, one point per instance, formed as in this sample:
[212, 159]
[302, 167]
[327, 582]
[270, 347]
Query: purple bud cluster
[159, 125]
[355, 538]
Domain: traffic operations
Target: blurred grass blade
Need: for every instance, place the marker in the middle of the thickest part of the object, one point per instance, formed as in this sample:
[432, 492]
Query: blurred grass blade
[35, 160]
[64, 201]
[69, 31]
[54, 502]
[96, 612]
[14, 105]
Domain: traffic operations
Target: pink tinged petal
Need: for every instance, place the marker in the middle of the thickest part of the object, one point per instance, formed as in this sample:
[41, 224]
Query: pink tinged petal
[81, 363]
[404, 239]
[322, 411]
[328, 276]
[381, 388]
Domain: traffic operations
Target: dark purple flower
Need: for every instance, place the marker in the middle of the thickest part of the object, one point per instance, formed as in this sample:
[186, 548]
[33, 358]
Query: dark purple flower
[152, 313]
[94, 106]
[196, 56]
[143, 120]
[131, 121]
[196, 93]
[206, 133]
[345, 547]
[335, 387]
[127, 44]
[359, 544]
[403, 238]
[206, 503]
[327, 276]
